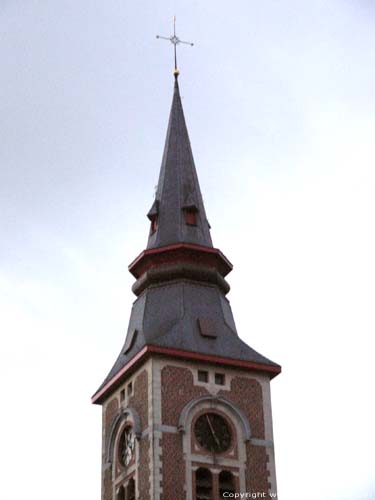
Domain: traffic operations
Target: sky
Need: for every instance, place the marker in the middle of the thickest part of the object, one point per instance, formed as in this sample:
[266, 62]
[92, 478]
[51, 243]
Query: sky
[280, 106]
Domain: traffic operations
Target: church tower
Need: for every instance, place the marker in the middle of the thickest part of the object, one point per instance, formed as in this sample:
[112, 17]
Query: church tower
[186, 406]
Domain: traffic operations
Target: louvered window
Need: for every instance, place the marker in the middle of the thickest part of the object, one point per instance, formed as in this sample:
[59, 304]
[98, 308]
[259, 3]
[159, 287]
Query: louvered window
[226, 484]
[154, 223]
[203, 484]
[190, 216]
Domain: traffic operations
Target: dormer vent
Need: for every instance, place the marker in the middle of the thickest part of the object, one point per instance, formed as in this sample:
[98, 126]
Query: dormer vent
[153, 216]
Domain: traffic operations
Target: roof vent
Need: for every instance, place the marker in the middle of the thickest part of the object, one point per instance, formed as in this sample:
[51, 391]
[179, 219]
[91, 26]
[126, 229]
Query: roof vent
[154, 210]
[153, 216]
[207, 328]
[130, 341]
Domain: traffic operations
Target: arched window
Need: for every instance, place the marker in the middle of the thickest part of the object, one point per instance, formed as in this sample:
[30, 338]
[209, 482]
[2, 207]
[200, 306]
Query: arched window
[203, 484]
[226, 483]
[214, 432]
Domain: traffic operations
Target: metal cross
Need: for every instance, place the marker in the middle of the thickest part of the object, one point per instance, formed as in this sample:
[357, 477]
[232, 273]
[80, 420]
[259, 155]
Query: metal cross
[175, 40]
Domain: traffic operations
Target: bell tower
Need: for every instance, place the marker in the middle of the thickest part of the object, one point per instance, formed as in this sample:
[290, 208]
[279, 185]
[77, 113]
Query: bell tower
[186, 405]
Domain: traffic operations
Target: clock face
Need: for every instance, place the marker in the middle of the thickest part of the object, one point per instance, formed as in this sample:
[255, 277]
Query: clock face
[126, 446]
[213, 433]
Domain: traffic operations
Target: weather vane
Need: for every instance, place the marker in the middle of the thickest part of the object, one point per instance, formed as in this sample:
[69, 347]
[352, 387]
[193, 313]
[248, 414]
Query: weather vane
[175, 40]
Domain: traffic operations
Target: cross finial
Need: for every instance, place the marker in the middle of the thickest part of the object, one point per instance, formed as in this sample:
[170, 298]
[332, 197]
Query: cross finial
[175, 40]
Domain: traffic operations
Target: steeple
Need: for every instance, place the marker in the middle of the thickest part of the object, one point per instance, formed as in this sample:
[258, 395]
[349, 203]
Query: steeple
[186, 405]
[180, 278]
[177, 214]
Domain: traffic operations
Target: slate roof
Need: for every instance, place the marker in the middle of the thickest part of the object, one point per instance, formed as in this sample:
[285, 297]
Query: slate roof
[178, 187]
[185, 314]
[169, 316]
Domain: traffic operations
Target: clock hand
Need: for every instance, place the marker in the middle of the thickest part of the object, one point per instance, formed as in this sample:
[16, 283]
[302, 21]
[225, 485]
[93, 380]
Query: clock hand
[212, 431]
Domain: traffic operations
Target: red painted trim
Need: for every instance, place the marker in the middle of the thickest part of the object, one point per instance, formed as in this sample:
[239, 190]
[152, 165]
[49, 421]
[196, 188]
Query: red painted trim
[177, 353]
[178, 246]
[96, 397]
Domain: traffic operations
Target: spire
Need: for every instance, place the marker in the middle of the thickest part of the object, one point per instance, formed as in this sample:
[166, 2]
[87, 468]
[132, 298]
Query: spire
[177, 214]
[181, 308]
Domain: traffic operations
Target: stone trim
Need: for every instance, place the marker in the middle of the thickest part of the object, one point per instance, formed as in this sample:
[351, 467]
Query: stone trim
[156, 455]
[215, 401]
[268, 429]
[167, 428]
[160, 428]
[261, 442]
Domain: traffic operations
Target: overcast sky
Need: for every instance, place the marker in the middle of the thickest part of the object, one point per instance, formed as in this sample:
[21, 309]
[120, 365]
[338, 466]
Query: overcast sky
[280, 105]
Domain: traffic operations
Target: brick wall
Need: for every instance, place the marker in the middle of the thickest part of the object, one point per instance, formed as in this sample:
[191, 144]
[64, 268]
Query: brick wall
[177, 389]
[111, 411]
[110, 414]
[256, 472]
[144, 475]
[173, 467]
[107, 484]
[139, 400]
[246, 394]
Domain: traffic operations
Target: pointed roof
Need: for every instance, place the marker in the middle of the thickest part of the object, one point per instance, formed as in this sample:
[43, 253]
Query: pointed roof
[178, 188]
[181, 309]
[194, 323]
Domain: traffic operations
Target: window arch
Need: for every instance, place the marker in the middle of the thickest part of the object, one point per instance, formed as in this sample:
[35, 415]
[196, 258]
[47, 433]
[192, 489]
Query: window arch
[122, 451]
[214, 433]
[127, 416]
[218, 402]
